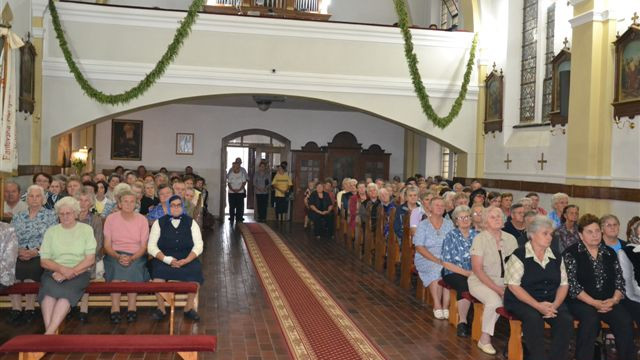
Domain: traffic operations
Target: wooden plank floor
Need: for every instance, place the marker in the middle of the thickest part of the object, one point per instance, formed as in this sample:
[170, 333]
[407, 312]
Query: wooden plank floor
[234, 308]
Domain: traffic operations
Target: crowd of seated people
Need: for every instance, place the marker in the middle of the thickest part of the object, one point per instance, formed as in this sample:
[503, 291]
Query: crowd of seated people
[553, 267]
[64, 232]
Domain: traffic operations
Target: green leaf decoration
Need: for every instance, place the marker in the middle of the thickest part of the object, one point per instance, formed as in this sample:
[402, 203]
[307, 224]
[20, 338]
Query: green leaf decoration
[122, 98]
[412, 61]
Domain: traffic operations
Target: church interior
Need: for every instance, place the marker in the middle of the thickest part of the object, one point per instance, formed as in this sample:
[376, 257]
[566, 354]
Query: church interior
[280, 126]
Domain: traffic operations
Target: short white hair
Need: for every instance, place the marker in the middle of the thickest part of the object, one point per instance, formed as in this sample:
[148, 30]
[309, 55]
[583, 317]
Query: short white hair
[38, 188]
[68, 202]
[557, 197]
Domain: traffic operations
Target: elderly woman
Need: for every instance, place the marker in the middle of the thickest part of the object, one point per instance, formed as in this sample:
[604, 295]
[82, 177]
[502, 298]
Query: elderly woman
[596, 287]
[68, 251]
[410, 195]
[486, 283]
[9, 255]
[87, 200]
[30, 227]
[112, 206]
[629, 259]
[610, 226]
[175, 242]
[125, 245]
[320, 211]
[422, 212]
[457, 262]
[428, 241]
[149, 199]
[537, 285]
[567, 233]
[515, 224]
[558, 202]
[476, 217]
[355, 201]
[162, 209]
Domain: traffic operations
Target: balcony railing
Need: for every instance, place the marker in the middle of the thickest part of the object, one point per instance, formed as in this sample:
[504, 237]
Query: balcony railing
[289, 9]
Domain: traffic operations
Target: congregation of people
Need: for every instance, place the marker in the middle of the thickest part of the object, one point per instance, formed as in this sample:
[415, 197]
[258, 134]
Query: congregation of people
[132, 226]
[543, 267]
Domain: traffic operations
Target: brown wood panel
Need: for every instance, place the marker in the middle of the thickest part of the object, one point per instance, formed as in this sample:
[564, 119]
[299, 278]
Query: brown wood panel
[579, 191]
[34, 169]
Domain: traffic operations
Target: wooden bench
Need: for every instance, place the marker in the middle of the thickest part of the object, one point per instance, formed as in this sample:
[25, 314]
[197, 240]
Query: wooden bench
[478, 308]
[34, 347]
[453, 302]
[167, 290]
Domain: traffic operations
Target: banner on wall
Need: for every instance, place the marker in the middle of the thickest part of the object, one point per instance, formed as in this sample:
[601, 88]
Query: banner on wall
[8, 89]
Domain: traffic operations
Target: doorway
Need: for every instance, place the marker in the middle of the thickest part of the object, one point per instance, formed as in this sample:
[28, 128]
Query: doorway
[252, 146]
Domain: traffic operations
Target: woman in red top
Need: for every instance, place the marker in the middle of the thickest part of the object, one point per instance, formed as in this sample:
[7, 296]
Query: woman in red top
[355, 201]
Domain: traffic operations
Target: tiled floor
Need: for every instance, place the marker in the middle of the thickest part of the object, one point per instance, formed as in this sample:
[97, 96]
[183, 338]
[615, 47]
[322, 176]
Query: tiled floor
[234, 308]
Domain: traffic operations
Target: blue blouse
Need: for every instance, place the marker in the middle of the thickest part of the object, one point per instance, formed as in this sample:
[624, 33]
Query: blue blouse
[31, 231]
[455, 249]
[431, 238]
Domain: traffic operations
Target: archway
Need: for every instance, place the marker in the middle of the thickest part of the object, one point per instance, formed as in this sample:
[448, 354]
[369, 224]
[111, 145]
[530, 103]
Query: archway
[261, 144]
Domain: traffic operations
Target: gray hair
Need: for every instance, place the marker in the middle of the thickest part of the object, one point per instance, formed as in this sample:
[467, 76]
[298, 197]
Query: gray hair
[606, 217]
[516, 206]
[488, 211]
[410, 189]
[538, 223]
[87, 193]
[39, 188]
[525, 200]
[118, 189]
[557, 197]
[121, 194]
[11, 182]
[69, 202]
[460, 209]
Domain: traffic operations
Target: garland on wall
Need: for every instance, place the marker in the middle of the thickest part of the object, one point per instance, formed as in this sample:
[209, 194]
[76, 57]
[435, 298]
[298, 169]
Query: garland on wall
[412, 61]
[124, 97]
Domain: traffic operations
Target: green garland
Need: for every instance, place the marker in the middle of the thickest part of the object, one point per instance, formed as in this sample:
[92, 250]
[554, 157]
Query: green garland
[167, 58]
[412, 61]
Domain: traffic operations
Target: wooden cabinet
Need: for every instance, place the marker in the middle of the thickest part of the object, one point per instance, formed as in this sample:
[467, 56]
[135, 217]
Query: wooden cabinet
[342, 157]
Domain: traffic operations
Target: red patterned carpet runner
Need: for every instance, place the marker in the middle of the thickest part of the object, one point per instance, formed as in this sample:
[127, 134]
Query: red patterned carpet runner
[314, 326]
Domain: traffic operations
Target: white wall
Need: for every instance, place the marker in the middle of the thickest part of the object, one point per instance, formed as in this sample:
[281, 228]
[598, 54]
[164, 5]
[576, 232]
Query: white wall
[433, 158]
[211, 123]
[355, 65]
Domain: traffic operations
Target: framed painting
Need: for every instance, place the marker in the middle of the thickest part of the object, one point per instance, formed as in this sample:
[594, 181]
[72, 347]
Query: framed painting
[626, 101]
[560, 87]
[126, 140]
[184, 143]
[493, 110]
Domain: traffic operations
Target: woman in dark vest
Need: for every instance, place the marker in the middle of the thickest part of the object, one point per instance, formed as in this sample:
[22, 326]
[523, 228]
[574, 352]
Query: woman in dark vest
[175, 242]
[537, 285]
[321, 214]
[596, 287]
[629, 258]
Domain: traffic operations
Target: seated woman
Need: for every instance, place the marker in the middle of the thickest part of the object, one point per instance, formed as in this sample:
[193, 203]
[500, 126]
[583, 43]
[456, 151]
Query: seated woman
[86, 199]
[410, 196]
[629, 259]
[30, 227]
[149, 199]
[567, 233]
[125, 246]
[428, 241]
[68, 251]
[457, 262]
[596, 287]
[162, 209]
[422, 212]
[537, 285]
[9, 251]
[320, 211]
[112, 206]
[175, 242]
[102, 201]
[489, 250]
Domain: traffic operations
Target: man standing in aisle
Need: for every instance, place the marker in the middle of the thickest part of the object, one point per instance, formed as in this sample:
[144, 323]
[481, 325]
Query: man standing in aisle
[236, 181]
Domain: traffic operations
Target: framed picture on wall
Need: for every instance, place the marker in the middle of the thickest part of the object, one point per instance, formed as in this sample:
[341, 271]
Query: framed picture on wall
[184, 143]
[626, 100]
[493, 101]
[126, 139]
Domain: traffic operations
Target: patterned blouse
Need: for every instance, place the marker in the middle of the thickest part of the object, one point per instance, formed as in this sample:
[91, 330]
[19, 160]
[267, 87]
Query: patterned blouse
[31, 231]
[566, 238]
[9, 254]
[455, 249]
[598, 269]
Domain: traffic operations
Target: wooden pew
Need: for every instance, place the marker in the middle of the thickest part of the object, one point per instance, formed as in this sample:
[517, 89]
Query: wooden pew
[406, 256]
[453, 302]
[478, 308]
[167, 290]
[337, 221]
[358, 239]
[34, 347]
[392, 248]
[379, 241]
[368, 237]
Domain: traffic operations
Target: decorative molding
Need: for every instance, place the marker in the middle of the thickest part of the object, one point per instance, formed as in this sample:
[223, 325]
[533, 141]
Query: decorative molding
[245, 78]
[38, 7]
[154, 18]
[590, 16]
[575, 2]
[37, 32]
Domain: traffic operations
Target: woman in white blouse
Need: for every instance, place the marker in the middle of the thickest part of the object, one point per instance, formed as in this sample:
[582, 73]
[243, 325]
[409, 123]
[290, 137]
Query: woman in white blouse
[175, 242]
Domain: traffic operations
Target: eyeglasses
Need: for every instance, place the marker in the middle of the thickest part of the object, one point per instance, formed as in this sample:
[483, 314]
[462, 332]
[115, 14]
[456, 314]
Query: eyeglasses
[176, 205]
[612, 225]
[463, 218]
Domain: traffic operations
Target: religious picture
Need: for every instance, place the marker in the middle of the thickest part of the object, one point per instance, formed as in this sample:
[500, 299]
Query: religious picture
[493, 101]
[126, 140]
[630, 71]
[184, 144]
